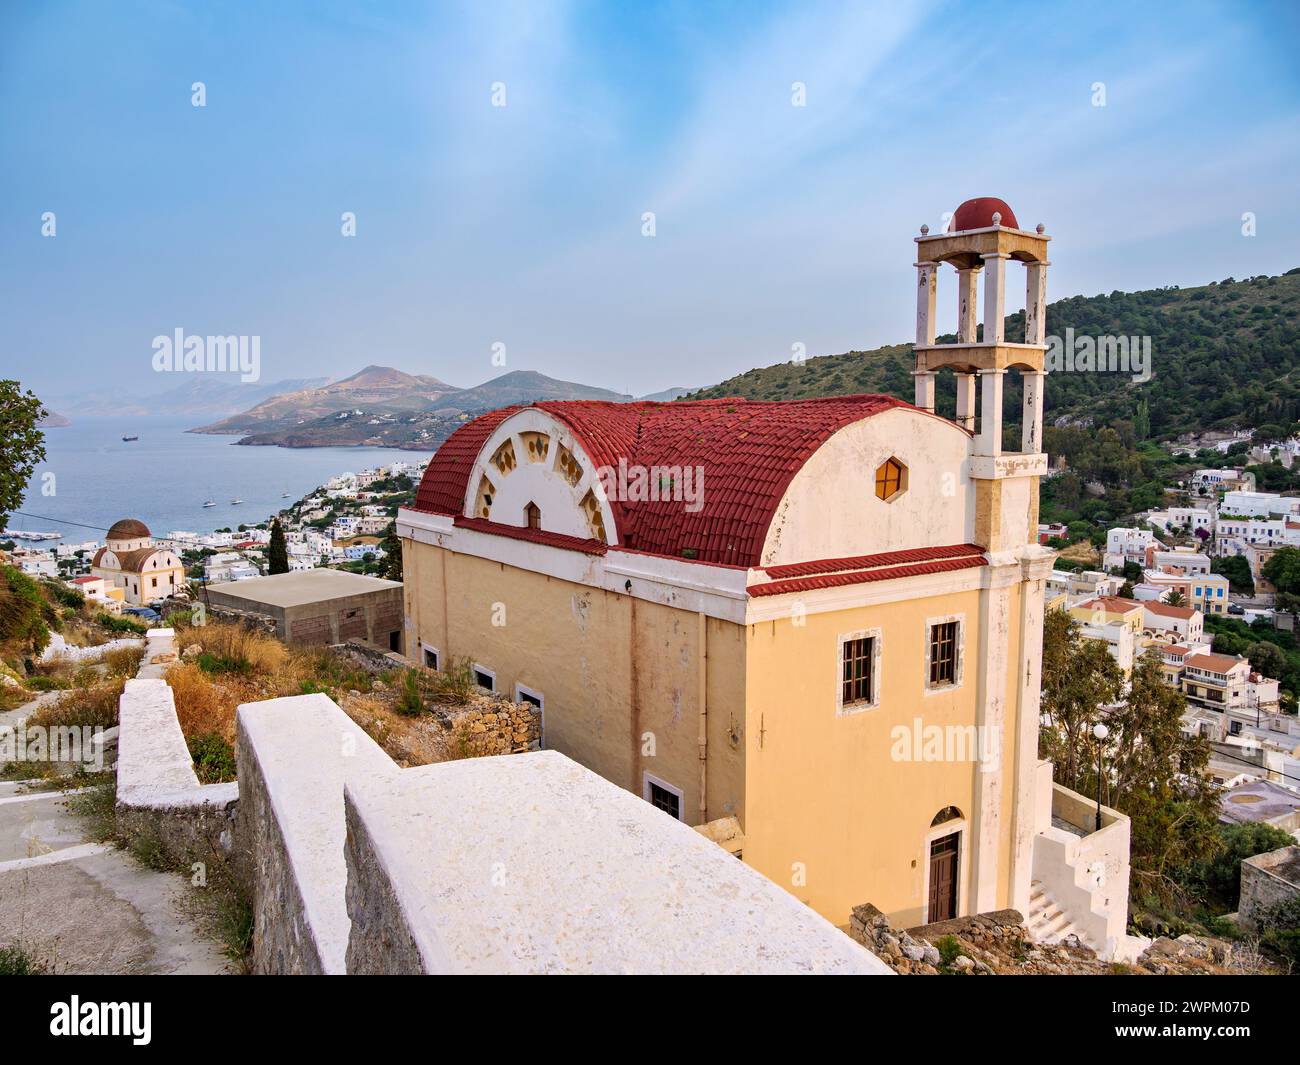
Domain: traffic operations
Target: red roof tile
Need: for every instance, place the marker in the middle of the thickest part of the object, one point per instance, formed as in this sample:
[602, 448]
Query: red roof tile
[887, 558]
[749, 451]
[1213, 663]
[865, 576]
[1165, 610]
[536, 536]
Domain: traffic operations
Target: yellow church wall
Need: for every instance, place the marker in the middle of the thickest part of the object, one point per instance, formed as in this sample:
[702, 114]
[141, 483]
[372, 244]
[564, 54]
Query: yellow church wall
[619, 675]
[831, 814]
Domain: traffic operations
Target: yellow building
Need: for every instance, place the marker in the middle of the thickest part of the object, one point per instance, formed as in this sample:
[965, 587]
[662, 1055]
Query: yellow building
[135, 569]
[819, 618]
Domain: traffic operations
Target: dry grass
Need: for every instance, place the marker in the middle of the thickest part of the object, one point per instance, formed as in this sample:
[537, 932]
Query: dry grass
[234, 665]
[93, 705]
[205, 707]
[124, 661]
[233, 648]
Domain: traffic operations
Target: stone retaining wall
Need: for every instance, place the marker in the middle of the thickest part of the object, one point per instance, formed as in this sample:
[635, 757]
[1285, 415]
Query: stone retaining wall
[158, 793]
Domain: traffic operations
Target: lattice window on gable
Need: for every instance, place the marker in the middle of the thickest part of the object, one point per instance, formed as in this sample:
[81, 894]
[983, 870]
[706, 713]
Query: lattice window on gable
[569, 467]
[536, 446]
[483, 502]
[891, 479]
[595, 519]
[504, 459]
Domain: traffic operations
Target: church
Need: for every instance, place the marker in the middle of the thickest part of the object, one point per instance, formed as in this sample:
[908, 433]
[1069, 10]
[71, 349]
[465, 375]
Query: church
[131, 561]
[770, 656]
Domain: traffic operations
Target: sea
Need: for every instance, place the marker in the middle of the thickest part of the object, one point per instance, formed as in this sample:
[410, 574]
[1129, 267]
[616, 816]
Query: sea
[91, 477]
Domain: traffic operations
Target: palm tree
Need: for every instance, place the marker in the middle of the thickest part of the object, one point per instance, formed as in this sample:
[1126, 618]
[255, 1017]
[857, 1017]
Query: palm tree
[1176, 598]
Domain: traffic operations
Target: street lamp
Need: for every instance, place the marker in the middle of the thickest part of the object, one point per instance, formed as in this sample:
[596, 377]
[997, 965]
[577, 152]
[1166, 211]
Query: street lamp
[1100, 731]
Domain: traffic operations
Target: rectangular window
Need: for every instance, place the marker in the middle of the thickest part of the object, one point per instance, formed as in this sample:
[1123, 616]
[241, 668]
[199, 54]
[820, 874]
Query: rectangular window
[943, 654]
[662, 795]
[431, 657]
[485, 678]
[666, 801]
[857, 671]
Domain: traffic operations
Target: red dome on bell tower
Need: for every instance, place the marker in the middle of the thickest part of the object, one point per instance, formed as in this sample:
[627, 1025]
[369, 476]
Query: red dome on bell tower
[978, 214]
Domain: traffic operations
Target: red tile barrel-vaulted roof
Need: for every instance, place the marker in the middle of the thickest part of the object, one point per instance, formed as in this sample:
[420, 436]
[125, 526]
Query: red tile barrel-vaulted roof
[749, 451]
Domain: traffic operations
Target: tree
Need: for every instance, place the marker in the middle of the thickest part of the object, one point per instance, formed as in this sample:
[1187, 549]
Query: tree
[1237, 570]
[277, 551]
[1152, 771]
[1217, 881]
[1080, 676]
[1268, 658]
[392, 561]
[22, 444]
[1176, 598]
[1126, 590]
[1142, 420]
[1283, 570]
[1132, 571]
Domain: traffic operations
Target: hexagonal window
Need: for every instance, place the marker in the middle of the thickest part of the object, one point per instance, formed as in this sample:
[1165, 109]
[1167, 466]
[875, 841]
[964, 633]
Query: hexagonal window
[891, 479]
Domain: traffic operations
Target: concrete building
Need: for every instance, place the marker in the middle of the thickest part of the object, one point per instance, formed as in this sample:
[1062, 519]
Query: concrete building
[1127, 545]
[761, 612]
[1177, 623]
[321, 606]
[1208, 482]
[1259, 504]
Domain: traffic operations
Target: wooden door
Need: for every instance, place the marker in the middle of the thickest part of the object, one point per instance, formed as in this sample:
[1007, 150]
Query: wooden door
[943, 878]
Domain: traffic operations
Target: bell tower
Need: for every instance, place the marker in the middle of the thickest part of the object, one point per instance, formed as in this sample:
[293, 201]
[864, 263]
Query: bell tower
[983, 239]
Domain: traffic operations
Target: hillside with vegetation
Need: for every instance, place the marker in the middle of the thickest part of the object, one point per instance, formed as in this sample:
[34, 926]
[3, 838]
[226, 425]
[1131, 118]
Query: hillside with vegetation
[1224, 355]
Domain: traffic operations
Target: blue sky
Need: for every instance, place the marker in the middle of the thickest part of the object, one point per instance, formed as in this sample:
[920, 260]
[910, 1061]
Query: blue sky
[775, 224]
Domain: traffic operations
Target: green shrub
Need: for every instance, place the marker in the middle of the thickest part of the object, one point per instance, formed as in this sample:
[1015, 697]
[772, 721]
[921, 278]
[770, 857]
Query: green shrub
[25, 616]
[64, 595]
[1281, 928]
[410, 699]
[457, 683]
[212, 663]
[214, 758]
[122, 624]
[14, 961]
[41, 683]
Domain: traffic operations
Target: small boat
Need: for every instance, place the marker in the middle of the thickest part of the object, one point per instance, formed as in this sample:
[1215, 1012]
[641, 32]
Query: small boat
[209, 503]
[284, 495]
[235, 502]
[129, 439]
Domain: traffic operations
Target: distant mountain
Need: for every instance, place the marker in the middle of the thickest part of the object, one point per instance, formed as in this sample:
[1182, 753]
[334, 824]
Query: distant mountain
[376, 388]
[667, 395]
[53, 421]
[198, 395]
[523, 386]
[1223, 354]
[383, 407]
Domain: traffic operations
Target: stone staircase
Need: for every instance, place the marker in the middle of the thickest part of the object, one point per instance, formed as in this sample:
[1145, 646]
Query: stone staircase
[1048, 923]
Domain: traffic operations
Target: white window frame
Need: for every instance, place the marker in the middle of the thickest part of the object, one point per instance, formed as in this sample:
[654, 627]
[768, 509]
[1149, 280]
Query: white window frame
[424, 649]
[522, 690]
[873, 702]
[649, 778]
[960, 675]
[478, 668]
